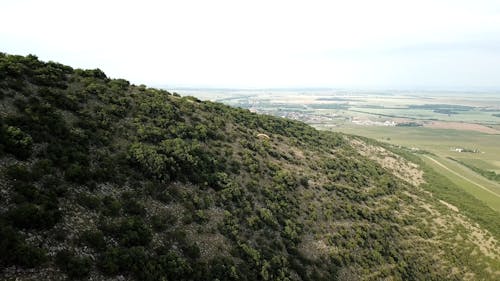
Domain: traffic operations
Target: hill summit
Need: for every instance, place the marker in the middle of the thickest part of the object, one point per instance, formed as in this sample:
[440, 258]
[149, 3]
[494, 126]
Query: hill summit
[104, 180]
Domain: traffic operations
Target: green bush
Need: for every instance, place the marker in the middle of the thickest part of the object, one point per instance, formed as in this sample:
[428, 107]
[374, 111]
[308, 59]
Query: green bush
[25, 192]
[52, 183]
[15, 251]
[94, 239]
[75, 266]
[112, 206]
[32, 216]
[130, 232]
[88, 201]
[162, 221]
[133, 207]
[223, 269]
[77, 173]
[145, 266]
[18, 172]
[14, 141]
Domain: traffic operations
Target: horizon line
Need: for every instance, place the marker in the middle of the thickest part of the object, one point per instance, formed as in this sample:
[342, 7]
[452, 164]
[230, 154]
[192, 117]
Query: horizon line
[338, 89]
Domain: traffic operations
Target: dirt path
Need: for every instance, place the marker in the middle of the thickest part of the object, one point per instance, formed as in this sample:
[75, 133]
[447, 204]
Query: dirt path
[459, 175]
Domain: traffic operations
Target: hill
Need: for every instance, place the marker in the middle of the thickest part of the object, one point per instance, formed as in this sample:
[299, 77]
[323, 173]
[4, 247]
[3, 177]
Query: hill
[105, 180]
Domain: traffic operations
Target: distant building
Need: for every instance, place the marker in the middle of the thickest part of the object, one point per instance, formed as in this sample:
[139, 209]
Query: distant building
[461, 149]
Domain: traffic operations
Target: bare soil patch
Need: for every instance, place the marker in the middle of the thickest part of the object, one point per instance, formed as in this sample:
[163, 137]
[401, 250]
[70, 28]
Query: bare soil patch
[450, 206]
[403, 169]
[461, 126]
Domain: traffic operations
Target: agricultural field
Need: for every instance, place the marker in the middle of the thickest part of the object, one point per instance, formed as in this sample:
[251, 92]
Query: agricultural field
[459, 132]
[442, 144]
[340, 108]
[474, 184]
[481, 164]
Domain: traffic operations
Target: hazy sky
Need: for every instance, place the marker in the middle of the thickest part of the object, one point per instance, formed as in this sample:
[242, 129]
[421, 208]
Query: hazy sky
[351, 44]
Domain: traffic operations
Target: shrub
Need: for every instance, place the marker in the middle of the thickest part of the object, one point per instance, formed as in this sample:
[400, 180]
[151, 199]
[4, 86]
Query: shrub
[25, 192]
[75, 266]
[223, 269]
[131, 232]
[145, 266]
[88, 201]
[41, 168]
[29, 256]
[162, 221]
[77, 173]
[132, 207]
[29, 216]
[94, 239]
[191, 250]
[110, 261]
[54, 184]
[15, 251]
[111, 205]
[15, 141]
[18, 172]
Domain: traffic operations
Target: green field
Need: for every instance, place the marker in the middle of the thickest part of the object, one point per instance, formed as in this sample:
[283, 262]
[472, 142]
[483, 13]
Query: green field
[474, 184]
[473, 116]
[479, 163]
[439, 142]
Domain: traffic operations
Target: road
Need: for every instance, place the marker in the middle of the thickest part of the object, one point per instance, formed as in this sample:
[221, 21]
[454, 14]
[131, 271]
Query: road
[461, 176]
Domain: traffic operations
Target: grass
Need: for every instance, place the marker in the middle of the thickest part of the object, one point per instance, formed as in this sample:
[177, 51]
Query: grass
[478, 163]
[468, 181]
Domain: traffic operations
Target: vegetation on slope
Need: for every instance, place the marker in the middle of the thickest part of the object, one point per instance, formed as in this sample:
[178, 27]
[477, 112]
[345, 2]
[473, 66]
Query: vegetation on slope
[465, 228]
[102, 178]
[442, 188]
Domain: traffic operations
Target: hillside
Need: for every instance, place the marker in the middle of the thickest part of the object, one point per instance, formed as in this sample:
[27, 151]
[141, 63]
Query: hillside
[105, 180]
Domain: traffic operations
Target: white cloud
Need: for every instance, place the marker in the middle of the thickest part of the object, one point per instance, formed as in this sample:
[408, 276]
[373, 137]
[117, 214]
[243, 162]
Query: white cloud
[263, 43]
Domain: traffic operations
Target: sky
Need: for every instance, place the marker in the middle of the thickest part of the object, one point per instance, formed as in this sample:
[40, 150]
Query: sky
[393, 44]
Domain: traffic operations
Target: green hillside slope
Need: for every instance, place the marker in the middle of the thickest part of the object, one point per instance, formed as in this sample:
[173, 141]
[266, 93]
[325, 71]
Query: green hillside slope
[105, 180]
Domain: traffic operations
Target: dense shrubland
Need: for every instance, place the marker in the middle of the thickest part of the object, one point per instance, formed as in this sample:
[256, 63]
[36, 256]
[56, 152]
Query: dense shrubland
[103, 178]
